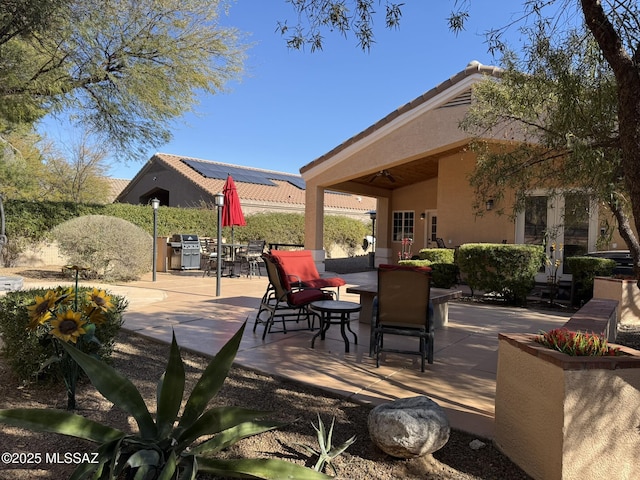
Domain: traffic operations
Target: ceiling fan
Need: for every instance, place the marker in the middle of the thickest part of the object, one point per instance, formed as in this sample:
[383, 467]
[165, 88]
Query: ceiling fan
[383, 173]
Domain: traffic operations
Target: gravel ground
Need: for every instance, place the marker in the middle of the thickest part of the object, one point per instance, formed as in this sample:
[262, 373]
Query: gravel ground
[143, 361]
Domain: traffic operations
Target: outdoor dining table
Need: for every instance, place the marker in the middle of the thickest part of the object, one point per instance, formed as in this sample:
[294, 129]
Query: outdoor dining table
[335, 312]
[229, 257]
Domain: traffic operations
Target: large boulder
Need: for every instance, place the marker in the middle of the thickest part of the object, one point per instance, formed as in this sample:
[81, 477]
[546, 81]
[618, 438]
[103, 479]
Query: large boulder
[409, 427]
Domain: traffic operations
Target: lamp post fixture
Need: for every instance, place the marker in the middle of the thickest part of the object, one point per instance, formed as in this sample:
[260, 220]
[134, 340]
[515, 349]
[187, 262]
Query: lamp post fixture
[372, 216]
[218, 201]
[155, 203]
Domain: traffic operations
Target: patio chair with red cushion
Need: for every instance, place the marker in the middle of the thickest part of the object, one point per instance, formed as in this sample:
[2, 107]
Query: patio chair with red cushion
[298, 268]
[285, 301]
[402, 308]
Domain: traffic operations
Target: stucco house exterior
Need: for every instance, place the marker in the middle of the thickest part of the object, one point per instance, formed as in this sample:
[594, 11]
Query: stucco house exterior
[180, 181]
[416, 163]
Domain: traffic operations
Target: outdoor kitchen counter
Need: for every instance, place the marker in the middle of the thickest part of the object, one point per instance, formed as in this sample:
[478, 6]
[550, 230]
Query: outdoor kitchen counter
[439, 298]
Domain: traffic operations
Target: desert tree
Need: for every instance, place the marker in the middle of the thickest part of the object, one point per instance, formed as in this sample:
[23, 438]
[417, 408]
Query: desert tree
[76, 171]
[554, 128]
[123, 69]
[613, 24]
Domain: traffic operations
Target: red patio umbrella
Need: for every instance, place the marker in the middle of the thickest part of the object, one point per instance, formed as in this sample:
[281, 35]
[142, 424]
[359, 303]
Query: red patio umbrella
[232, 215]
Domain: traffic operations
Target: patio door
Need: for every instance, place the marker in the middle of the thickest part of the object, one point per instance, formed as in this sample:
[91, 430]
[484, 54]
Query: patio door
[430, 228]
[565, 224]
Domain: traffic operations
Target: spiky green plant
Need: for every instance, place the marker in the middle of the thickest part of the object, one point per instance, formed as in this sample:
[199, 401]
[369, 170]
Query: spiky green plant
[327, 452]
[171, 446]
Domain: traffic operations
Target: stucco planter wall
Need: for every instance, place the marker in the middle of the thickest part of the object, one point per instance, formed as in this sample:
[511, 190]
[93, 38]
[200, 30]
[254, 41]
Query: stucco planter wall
[563, 417]
[626, 292]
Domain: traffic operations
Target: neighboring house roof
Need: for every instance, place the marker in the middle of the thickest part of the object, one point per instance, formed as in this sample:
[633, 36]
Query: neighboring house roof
[116, 186]
[256, 187]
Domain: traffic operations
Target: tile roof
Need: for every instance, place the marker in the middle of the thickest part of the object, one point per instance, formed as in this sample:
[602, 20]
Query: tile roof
[473, 68]
[285, 193]
[116, 186]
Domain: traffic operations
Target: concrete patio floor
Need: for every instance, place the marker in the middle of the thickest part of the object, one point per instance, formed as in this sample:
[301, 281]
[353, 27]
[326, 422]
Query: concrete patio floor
[462, 378]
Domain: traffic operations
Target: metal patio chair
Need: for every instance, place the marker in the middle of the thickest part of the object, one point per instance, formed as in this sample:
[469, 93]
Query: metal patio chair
[285, 301]
[402, 309]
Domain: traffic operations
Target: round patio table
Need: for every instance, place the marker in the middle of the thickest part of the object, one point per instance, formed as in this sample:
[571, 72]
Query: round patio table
[335, 312]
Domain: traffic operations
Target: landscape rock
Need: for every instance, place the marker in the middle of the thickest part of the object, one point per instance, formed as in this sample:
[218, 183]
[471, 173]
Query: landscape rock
[477, 444]
[409, 427]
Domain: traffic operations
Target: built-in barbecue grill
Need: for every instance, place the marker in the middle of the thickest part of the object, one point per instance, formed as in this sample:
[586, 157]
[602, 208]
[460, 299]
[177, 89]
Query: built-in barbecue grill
[185, 252]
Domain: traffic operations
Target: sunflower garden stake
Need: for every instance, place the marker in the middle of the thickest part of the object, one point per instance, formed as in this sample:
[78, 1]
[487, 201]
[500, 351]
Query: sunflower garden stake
[68, 318]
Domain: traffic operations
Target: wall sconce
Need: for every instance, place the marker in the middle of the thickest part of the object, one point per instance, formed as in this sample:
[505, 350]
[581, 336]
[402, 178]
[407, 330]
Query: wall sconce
[423, 216]
[490, 204]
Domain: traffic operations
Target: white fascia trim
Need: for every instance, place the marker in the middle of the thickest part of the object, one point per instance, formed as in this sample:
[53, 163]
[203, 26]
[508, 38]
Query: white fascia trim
[395, 124]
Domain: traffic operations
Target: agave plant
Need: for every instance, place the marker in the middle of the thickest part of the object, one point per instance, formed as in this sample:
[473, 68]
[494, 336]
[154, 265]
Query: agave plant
[327, 452]
[169, 446]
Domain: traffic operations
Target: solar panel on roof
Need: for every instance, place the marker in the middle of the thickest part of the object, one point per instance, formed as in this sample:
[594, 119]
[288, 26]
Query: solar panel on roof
[214, 170]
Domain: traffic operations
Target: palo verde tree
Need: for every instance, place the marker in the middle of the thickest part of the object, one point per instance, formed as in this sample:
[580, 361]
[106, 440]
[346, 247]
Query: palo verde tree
[613, 24]
[557, 126]
[123, 69]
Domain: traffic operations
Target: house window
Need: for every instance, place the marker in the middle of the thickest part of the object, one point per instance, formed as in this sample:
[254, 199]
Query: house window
[403, 223]
[433, 229]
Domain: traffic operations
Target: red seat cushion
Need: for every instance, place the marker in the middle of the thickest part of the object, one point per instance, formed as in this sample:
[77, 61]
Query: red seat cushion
[302, 297]
[298, 266]
[324, 282]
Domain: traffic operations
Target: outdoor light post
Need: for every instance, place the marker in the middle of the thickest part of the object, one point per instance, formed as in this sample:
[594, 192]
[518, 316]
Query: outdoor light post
[155, 203]
[218, 201]
[372, 216]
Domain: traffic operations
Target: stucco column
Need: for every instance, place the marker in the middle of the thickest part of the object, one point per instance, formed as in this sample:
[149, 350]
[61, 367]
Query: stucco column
[314, 223]
[383, 232]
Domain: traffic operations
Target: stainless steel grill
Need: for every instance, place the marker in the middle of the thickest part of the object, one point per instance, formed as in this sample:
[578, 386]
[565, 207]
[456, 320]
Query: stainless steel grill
[185, 252]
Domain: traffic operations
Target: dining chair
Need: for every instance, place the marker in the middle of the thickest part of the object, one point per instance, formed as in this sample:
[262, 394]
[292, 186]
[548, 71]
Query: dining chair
[251, 257]
[402, 309]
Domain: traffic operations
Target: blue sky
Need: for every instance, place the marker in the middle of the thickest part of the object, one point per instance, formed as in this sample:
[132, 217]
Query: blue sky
[293, 106]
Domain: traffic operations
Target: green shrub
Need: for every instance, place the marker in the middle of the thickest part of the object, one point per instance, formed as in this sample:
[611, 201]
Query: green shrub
[108, 246]
[443, 275]
[27, 351]
[415, 263]
[583, 269]
[437, 255]
[508, 270]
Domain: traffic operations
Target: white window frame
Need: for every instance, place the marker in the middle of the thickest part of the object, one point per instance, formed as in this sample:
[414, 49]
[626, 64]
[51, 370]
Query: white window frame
[555, 214]
[406, 216]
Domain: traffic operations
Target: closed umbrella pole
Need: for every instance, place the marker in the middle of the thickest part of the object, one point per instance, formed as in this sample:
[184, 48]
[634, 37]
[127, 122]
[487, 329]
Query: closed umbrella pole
[232, 215]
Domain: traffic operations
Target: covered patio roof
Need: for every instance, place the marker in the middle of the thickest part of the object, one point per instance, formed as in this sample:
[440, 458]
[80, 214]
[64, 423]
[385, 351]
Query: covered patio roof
[405, 148]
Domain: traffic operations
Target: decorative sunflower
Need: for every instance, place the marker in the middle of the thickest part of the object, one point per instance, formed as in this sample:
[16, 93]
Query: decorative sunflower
[40, 311]
[94, 314]
[100, 299]
[68, 326]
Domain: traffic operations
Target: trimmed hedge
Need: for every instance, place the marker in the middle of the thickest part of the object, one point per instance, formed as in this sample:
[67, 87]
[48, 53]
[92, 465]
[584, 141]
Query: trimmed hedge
[437, 255]
[508, 270]
[583, 269]
[29, 222]
[443, 275]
